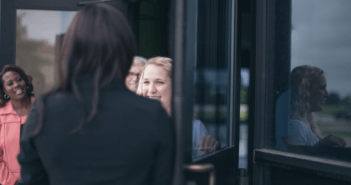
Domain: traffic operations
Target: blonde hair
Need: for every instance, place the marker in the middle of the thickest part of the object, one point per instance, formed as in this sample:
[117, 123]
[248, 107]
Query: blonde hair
[164, 62]
[301, 78]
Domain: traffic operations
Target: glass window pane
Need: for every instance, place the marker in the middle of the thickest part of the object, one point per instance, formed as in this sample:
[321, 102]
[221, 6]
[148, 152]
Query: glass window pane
[38, 39]
[244, 115]
[212, 84]
[314, 115]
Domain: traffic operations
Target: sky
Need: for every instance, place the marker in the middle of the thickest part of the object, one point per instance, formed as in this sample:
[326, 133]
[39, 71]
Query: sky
[45, 25]
[321, 37]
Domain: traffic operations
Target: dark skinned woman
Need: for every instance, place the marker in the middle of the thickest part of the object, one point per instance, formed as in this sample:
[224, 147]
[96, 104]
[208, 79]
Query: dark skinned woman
[15, 102]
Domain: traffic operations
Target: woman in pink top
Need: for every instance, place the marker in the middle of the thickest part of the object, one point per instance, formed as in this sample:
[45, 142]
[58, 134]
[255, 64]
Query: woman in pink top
[15, 102]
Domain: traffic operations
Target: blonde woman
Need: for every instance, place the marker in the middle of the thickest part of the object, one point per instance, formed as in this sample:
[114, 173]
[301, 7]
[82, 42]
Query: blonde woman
[308, 95]
[156, 83]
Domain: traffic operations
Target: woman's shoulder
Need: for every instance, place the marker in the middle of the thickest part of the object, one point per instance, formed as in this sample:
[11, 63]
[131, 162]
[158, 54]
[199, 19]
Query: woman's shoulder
[109, 99]
[7, 109]
[297, 126]
[131, 100]
[197, 123]
[200, 127]
[56, 99]
[297, 123]
[150, 107]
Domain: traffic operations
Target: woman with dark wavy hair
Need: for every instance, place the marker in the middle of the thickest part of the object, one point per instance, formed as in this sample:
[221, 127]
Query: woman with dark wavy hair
[90, 129]
[16, 90]
[308, 95]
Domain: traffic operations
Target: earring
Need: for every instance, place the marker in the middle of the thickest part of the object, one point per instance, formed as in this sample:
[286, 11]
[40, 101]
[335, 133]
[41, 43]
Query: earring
[6, 96]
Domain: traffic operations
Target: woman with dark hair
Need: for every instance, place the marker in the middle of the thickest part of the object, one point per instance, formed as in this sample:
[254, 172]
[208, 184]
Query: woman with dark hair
[15, 101]
[308, 94]
[90, 129]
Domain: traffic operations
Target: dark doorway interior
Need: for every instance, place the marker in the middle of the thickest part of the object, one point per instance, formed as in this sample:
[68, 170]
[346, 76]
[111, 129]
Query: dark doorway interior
[153, 32]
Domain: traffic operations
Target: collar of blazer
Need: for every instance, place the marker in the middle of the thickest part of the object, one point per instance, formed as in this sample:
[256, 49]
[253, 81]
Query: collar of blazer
[7, 109]
[87, 82]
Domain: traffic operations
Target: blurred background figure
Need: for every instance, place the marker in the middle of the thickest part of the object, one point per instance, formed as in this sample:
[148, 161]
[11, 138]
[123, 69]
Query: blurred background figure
[308, 95]
[95, 130]
[15, 102]
[156, 83]
[132, 78]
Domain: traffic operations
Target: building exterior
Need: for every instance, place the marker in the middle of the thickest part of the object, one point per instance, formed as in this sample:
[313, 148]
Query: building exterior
[211, 42]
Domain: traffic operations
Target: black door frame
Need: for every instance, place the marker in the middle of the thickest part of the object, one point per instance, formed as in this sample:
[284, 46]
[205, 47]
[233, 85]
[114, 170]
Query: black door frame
[184, 25]
[8, 19]
[271, 47]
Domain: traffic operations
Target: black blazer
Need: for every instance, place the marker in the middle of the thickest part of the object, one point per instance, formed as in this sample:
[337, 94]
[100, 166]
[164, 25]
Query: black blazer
[130, 140]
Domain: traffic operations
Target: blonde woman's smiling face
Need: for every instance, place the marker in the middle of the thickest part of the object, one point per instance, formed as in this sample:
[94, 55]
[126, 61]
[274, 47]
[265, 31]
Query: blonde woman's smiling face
[156, 84]
[318, 94]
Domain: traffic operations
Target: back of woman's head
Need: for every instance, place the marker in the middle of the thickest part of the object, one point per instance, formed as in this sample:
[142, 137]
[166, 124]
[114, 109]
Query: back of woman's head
[98, 41]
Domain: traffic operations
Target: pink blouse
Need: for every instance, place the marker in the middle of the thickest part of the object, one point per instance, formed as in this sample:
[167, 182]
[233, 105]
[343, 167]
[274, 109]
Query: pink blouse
[10, 128]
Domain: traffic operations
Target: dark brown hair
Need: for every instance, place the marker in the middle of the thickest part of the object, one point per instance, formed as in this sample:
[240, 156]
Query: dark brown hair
[27, 79]
[100, 42]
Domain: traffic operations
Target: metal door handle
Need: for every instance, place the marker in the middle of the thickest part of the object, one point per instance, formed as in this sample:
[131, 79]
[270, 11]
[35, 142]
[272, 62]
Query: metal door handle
[203, 168]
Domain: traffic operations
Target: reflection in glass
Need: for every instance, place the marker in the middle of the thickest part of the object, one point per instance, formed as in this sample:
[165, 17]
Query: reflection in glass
[315, 113]
[244, 126]
[308, 94]
[38, 40]
[211, 77]
[210, 107]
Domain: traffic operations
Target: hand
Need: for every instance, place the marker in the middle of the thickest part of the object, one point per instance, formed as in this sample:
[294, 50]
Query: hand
[331, 140]
[208, 144]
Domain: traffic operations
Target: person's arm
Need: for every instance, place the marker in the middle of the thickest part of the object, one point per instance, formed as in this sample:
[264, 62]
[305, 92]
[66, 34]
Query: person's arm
[6, 177]
[32, 169]
[331, 140]
[208, 144]
[164, 161]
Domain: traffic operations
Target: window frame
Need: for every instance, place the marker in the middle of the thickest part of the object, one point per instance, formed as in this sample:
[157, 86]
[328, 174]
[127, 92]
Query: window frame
[271, 45]
[7, 32]
[8, 11]
[183, 24]
[62, 5]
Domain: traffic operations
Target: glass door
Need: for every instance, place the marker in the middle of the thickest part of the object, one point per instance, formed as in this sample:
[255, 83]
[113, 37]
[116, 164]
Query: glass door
[38, 40]
[301, 128]
[32, 33]
[206, 95]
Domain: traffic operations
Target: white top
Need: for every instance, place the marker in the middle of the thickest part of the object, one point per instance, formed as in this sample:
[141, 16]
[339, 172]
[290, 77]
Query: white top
[199, 130]
[301, 134]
